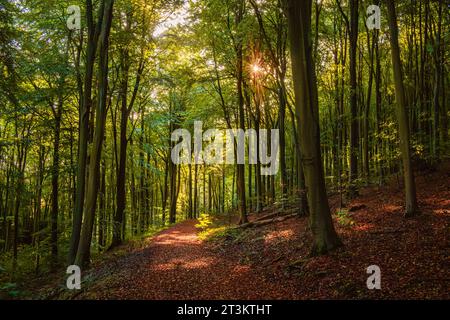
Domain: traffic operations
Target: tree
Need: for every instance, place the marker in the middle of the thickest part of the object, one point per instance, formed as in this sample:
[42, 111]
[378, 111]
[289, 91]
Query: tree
[83, 253]
[306, 103]
[126, 108]
[240, 7]
[402, 115]
[352, 27]
[84, 119]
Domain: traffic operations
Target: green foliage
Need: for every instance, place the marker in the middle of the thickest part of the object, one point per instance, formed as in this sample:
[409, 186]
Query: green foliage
[215, 228]
[10, 289]
[344, 218]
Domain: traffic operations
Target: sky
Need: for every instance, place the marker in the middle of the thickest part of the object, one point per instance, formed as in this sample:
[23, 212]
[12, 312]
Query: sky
[177, 17]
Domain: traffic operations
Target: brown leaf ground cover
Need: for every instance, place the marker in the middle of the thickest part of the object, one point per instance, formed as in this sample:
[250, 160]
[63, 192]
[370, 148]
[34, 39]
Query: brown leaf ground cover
[272, 262]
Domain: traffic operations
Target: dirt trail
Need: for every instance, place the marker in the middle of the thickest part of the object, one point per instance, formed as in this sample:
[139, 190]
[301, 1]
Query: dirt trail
[271, 262]
[178, 265]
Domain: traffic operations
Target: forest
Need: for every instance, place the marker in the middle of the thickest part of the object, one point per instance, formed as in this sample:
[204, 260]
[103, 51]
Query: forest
[225, 149]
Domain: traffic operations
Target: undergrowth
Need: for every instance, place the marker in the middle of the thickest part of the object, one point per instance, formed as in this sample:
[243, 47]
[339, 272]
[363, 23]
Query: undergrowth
[216, 229]
[34, 262]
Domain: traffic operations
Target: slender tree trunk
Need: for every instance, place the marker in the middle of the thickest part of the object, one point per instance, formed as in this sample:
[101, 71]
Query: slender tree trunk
[195, 213]
[85, 110]
[282, 119]
[379, 141]
[239, 83]
[437, 83]
[21, 163]
[402, 115]
[83, 254]
[55, 183]
[354, 137]
[102, 208]
[190, 203]
[118, 236]
[173, 192]
[367, 109]
[165, 190]
[299, 185]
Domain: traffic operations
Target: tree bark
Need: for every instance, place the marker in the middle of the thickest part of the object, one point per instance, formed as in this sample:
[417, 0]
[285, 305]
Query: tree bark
[84, 118]
[306, 100]
[402, 115]
[354, 137]
[55, 182]
[239, 83]
[83, 254]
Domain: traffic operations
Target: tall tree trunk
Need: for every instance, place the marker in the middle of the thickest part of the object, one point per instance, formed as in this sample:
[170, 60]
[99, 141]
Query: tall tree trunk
[354, 137]
[299, 178]
[21, 163]
[165, 188]
[282, 119]
[402, 115]
[239, 84]
[306, 100]
[121, 172]
[55, 182]
[83, 254]
[437, 83]
[367, 108]
[191, 209]
[379, 141]
[84, 115]
[173, 191]
[102, 208]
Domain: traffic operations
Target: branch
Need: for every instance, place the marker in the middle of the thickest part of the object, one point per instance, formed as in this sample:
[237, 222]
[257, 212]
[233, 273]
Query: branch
[347, 22]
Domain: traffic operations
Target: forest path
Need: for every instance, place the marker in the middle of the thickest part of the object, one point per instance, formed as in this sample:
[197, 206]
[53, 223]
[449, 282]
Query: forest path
[272, 261]
[176, 264]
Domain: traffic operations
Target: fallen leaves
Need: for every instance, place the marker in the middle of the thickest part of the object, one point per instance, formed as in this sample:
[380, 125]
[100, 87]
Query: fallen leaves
[272, 262]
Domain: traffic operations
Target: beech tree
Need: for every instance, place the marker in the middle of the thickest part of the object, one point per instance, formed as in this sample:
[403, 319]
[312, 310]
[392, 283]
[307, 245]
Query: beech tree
[307, 108]
[83, 253]
[402, 115]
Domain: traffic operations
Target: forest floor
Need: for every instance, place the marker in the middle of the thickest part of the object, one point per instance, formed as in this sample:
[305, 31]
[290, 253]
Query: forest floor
[272, 261]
